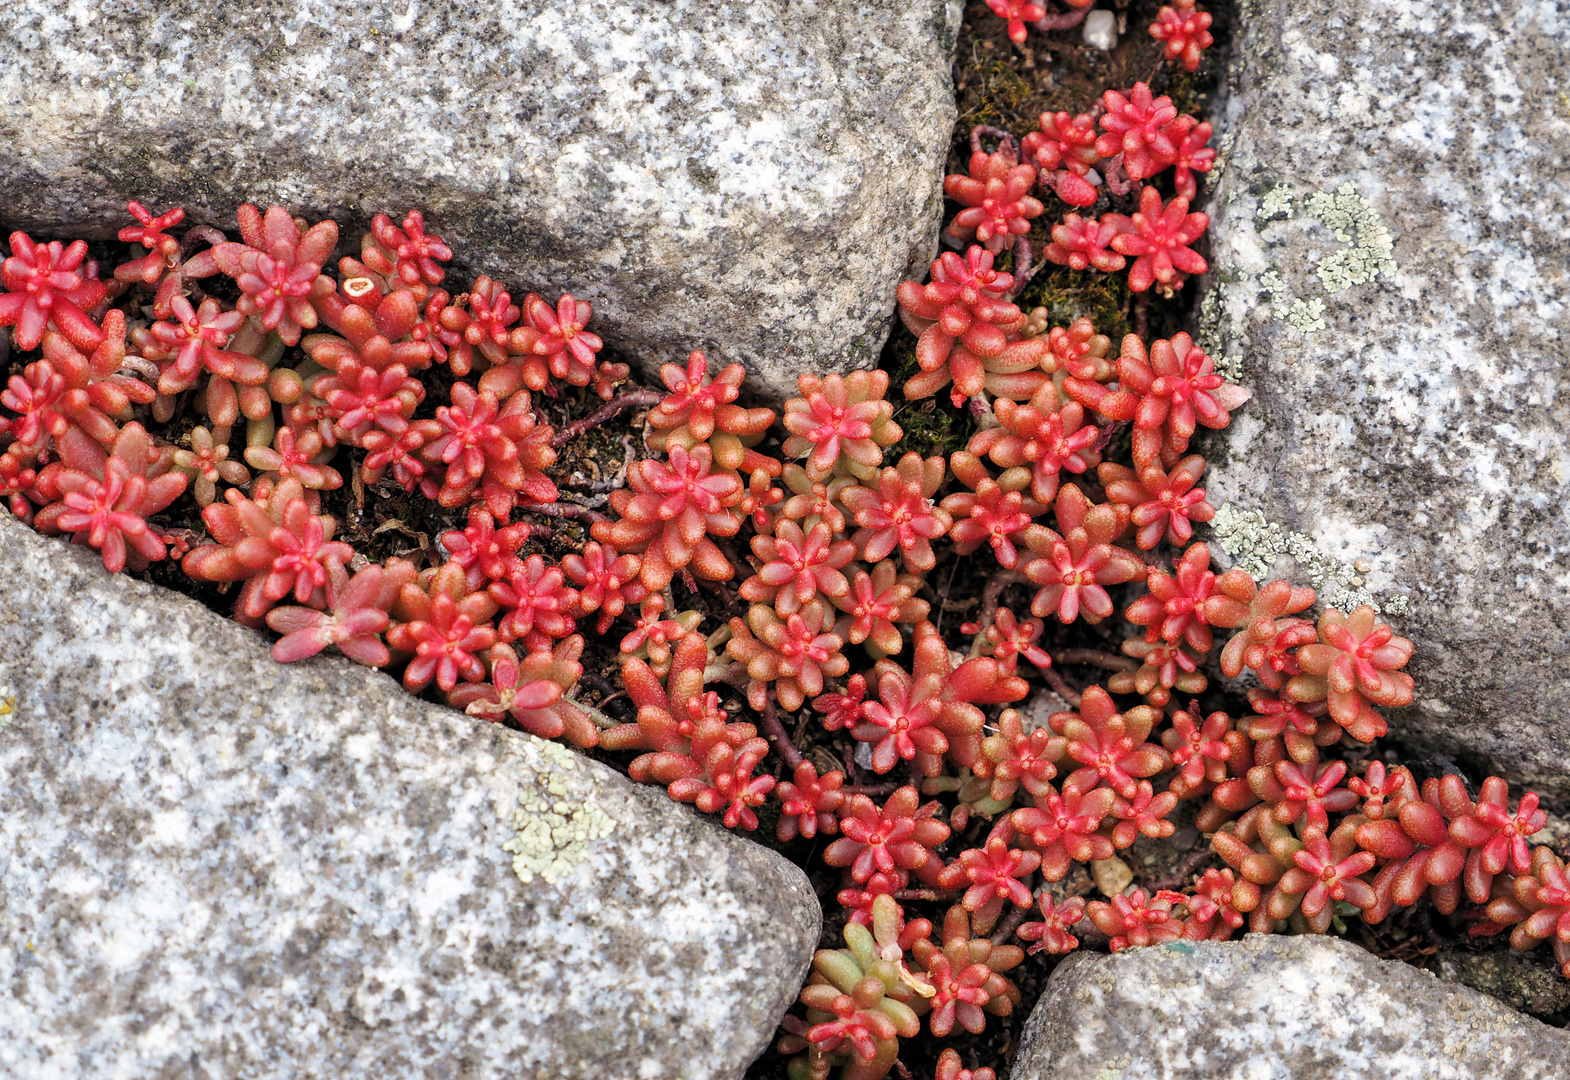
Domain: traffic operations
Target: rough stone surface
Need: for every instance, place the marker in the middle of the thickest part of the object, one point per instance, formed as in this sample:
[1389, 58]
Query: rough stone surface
[750, 179]
[215, 866]
[1391, 233]
[1274, 1008]
[1529, 981]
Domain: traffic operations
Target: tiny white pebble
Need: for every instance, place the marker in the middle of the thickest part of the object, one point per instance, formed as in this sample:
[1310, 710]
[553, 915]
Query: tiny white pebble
[1101, 30]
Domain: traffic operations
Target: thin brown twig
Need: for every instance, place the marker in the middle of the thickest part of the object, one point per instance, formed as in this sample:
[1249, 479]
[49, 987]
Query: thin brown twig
[872, 791]
[1179, 878]
[615, 405]
[1096, 658]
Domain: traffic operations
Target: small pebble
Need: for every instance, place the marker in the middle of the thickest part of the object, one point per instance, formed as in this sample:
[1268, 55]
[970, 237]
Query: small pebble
[1101, 30]
[1112, 875]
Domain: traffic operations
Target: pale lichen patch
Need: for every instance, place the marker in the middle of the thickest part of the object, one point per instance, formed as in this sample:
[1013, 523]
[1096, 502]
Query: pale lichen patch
[1307, 315]
[553, 831]
[8, 711]
[1370, 247]
[1114, 1068]
[1276, 203]
[1255, 544]
[1229, 368]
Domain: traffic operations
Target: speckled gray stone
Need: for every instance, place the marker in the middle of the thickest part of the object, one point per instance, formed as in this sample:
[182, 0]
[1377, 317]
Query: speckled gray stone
[1411, 412]
[753, 179]
[215, 866]
[1274, 1008]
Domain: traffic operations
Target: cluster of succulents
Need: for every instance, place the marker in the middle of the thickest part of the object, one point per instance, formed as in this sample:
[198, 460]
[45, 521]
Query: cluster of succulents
[834, 526]
[971, 335]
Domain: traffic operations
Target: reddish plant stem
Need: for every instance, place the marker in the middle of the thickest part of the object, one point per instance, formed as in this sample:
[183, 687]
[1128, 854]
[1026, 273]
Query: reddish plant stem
[1024, 268]
[1063, 689]
[1065, 20]
[929, 895]
[199, 234]
[1108, 433]
[1116, 179]
[566, 510]
[1142, 315]
[994, 592]
[615, 405]
[1010, 923]
[775, 732]
[1096, 658]
[1003, 137]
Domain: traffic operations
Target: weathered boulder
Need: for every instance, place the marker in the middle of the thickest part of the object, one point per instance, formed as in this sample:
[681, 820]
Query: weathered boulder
[749, 179]
[1391, 231]
[215, 865]
[1274, 1008]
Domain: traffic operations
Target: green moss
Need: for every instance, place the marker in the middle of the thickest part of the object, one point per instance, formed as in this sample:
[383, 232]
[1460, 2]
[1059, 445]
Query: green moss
[1071, 294]
[1004, 100]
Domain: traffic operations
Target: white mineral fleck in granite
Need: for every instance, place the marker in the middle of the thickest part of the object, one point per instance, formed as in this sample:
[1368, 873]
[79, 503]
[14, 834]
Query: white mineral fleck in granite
[214, 865]
[1404, 163]
[1274, 1008]
[750, 179]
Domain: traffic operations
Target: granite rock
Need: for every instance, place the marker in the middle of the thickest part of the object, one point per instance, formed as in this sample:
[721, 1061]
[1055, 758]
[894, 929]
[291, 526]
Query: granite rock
[1529, 981]
[1274, 1008]
[750, 179]
[212, 865]
[1391, 231]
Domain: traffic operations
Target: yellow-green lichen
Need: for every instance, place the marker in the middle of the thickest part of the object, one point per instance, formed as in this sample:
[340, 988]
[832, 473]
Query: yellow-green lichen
[1370, 246]
[1229, 368]
[1307, 315]
[553, 830]
[1223, 156]
[1114, 1068]
[1255, 544]
[7, 706]
[1276, 203]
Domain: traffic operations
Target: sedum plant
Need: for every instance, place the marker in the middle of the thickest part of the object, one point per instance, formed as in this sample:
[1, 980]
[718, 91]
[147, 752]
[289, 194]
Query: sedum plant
[839, 699]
